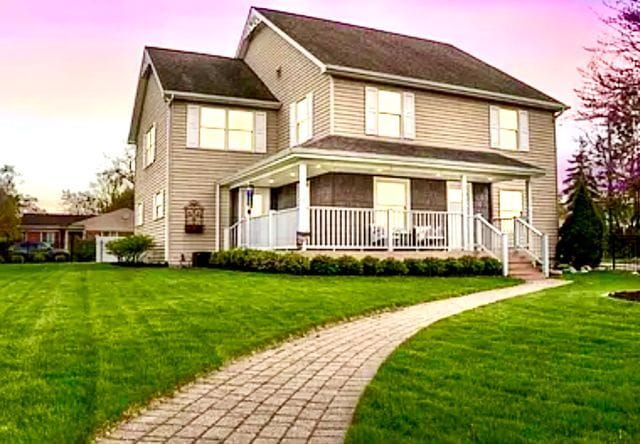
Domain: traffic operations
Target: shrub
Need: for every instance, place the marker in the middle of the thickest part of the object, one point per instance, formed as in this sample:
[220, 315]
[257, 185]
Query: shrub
[491, 266]
[471, 266]
[131, 248]
[393, 267]
[349, 265]
[38, 257]
[433, 266]
[2, 260]
[324, 265]
[371, 266]
[16, 259]
[453, 267]
[416, 267]
[84, 250]
[293, 263]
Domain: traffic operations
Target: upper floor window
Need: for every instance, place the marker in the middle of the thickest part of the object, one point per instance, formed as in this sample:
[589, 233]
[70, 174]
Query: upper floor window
[509, 128]
[389, 113]
[149, 146]
[301, 120]
[158, 205]
[226, 129]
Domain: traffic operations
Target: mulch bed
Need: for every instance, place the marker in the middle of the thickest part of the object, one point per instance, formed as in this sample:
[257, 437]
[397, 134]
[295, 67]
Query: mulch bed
[626, 295]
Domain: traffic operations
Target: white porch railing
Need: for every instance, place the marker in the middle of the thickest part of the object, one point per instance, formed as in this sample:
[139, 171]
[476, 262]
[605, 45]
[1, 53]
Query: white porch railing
[336, 228]
[274, 230]
[532, 241]
[491, 240]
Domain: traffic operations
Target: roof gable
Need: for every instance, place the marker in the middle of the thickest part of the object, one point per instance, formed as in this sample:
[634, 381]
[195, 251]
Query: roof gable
[360, 48]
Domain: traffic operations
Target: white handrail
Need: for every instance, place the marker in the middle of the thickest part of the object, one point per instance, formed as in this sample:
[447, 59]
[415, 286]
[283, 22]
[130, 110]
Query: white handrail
[533, 242]
[490, 239]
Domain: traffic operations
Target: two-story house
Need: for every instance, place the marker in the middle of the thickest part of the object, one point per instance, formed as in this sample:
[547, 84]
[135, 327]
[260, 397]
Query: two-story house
[325, 136]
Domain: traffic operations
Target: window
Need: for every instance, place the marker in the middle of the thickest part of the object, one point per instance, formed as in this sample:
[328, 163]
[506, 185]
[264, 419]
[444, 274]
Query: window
[149, 146]
[139, 217]
[389, 113]
[303, 128]
[511, 206]
[49, 237]
[240, 130]
[158, 205]
[509, 128]
[226, 129]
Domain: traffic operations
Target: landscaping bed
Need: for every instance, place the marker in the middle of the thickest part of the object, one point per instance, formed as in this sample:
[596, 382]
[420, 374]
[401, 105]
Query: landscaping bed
[626, 295]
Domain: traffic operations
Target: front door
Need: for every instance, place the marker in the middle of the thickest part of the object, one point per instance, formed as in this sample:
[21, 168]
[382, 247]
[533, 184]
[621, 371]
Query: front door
[391, 202]
[456, 219]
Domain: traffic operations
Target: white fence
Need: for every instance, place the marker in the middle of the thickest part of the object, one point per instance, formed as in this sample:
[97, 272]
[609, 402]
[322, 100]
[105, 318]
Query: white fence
[102, 254]
[276, 230]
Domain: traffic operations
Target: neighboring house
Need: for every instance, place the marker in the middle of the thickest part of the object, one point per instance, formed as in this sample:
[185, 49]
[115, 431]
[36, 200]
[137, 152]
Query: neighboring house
[114, 224]
[348, 138]
[55, 229]
[61, 230]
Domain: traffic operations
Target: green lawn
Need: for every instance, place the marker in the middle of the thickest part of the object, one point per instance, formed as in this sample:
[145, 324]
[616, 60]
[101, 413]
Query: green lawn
[80, 344]
[559, 366]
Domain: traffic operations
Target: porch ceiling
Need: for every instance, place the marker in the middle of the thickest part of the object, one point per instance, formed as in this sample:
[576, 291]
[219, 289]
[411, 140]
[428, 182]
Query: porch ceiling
[282, 167]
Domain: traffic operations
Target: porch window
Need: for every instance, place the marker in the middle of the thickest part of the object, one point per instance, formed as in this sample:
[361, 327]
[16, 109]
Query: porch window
[158, 206]
[149, 146]
[511, 206]
[226, 129]
[389, 113]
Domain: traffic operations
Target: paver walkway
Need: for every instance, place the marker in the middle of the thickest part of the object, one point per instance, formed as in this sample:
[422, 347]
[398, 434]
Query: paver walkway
[301, 391]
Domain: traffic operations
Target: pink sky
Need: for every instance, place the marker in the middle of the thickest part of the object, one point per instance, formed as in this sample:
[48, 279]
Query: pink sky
[69, 68]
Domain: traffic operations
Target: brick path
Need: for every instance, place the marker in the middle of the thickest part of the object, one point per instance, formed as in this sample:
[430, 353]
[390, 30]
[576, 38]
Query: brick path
[302, 391]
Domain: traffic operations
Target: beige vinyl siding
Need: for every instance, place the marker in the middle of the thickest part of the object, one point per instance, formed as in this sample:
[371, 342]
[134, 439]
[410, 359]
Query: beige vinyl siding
[194, 175]
[451, 121]
[266, 53]
[152, 179]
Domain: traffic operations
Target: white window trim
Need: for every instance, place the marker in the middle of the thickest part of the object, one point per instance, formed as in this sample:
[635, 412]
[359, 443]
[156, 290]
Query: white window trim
[156, 214]
[254, 146]
[148, 148]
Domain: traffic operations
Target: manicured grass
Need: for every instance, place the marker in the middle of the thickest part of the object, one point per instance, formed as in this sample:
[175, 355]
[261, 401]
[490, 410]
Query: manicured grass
[80, 344]
[559, 366]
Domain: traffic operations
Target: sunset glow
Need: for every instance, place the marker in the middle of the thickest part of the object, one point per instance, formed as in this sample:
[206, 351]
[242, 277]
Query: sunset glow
[69, 68]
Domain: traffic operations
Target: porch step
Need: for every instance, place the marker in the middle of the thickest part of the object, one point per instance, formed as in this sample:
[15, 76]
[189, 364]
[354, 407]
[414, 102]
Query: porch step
[522, 267]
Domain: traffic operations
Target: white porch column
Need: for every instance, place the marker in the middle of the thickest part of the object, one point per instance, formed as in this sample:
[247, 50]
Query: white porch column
[529, 198]
[464, 184]
[303, 202]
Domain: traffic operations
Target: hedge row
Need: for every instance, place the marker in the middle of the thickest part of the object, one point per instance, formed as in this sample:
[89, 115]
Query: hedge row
[295, 263]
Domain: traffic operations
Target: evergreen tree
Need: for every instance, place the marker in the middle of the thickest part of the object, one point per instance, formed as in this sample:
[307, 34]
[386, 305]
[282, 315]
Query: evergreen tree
[581, 168]
[581, 235]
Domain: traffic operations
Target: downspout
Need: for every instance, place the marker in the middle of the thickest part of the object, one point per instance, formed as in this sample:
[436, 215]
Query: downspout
[167, 196]
[218, 214]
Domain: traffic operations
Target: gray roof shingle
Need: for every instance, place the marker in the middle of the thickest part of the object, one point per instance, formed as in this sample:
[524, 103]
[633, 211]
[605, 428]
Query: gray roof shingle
[342, 44]
[193, 72]
[355, 144]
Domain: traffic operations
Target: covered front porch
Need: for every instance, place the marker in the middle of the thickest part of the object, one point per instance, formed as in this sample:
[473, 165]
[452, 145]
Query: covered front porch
[318, 201]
